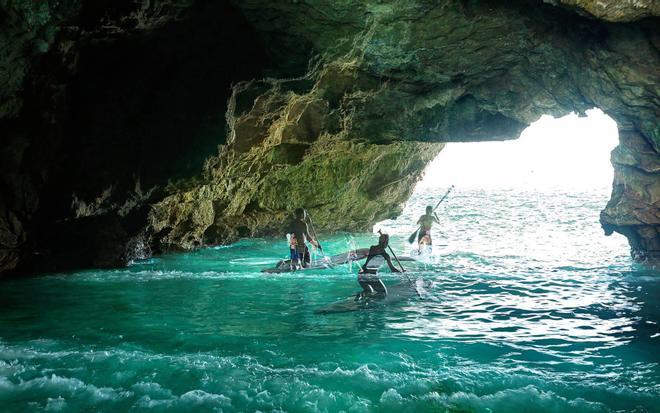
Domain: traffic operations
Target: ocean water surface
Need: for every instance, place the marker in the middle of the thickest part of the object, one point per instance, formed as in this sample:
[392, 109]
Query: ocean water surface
[526, 307]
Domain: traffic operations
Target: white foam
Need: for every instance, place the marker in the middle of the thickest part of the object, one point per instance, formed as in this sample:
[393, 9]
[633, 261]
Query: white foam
[55, 405]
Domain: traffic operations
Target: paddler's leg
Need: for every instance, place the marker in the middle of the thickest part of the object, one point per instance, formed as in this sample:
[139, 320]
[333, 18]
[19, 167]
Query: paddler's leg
[371, 284]
[430, 247]
[305, 257]
[389, 262]
[295, 259]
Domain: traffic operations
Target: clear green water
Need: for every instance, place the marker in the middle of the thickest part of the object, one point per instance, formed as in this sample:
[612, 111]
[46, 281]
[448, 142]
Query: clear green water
[528, 308]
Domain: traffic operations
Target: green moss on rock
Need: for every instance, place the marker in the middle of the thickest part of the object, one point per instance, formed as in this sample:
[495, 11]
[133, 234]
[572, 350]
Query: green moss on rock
[302, 150]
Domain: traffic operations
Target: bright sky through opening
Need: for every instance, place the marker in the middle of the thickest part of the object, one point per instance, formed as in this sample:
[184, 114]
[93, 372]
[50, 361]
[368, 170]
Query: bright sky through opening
[568, 152]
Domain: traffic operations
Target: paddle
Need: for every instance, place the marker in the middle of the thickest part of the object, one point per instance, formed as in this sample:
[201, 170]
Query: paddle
[316, 237]
[412, 236]
[397, 260]
[403, 270]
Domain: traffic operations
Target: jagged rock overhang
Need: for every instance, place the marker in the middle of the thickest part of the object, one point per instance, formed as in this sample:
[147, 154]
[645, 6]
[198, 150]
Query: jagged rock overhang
[471, 71]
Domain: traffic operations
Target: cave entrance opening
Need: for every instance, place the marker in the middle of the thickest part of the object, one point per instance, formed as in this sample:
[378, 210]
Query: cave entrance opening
[539, 195]
[571, 153]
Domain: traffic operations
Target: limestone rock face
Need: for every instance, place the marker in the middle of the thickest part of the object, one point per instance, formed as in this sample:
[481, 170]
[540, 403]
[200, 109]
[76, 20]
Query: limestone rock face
[292, 148]
[469, 71]
[112, 113]
[614, 10]
[634, 209]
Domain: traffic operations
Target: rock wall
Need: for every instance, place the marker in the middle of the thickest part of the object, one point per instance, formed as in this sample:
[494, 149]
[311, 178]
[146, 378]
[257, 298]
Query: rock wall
[613, 11]
[478, 70]
[110, 110]
[634, 208]
[294, 146]
[102, 103]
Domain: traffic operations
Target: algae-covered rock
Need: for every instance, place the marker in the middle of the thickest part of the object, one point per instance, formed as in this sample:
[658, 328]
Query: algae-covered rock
[482, 70]
[293, 160]
[614, 10]
[426, 72]
[181, 219]
[103, 94]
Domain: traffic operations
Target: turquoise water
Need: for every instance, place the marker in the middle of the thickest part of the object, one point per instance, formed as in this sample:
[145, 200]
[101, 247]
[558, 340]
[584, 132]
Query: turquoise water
[526, 308]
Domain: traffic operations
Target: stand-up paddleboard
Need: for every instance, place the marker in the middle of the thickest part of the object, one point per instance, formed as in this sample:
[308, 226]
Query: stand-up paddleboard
[370, 281]
[374, 293]
[396, 293]
[329, 262]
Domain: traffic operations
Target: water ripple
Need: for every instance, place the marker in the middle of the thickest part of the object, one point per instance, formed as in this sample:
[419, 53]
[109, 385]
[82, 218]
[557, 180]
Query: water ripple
[525, 307]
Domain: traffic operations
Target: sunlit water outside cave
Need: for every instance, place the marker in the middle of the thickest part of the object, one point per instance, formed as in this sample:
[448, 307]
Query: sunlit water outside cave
[525, 307]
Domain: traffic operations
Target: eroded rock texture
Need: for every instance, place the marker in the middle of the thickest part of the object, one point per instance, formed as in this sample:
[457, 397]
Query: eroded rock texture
[613, 11]
[355, 98]
[634, 209]
[293, 145]
[452, 71]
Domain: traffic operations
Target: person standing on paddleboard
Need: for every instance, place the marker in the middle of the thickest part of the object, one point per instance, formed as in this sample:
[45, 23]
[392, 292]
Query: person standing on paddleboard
[294, 262]
[298, 227]
[425, 223]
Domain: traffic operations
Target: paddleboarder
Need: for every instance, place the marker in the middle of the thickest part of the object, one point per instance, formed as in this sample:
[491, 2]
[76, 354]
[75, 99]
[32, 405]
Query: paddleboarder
[368, 278]
[294, 262]
[425, 223]
[298, 228]
[380, 249]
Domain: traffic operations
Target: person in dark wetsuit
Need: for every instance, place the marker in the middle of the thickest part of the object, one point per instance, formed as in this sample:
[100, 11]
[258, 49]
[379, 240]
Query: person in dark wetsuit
[368, 278]
[380, 249]
[299, 228]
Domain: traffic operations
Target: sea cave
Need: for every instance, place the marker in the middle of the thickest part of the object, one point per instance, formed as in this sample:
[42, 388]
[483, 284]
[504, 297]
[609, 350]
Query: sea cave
[153, 153]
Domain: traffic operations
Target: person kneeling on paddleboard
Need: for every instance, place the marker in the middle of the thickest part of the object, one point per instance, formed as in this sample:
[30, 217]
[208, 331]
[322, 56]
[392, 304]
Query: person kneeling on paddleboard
[298, 229]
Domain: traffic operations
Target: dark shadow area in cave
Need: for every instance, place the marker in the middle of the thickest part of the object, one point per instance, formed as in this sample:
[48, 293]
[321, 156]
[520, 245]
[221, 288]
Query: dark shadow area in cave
[153, 106]
[140, 105]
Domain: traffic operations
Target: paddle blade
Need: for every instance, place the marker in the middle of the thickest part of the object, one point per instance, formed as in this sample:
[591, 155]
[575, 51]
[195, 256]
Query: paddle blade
[412, 237]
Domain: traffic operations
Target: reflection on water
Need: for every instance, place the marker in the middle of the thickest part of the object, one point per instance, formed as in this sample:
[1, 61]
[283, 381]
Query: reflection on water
[526, 307]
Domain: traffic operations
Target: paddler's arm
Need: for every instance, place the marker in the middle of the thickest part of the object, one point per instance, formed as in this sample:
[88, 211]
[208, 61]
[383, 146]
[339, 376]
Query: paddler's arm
[310, 238]
[370, 255]
[389, 262]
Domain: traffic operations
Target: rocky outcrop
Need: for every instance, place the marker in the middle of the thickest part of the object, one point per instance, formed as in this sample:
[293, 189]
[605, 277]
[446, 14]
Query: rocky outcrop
[634, 208]
[613, 11]
[294, 145]
[355, 97]
[483, 70]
